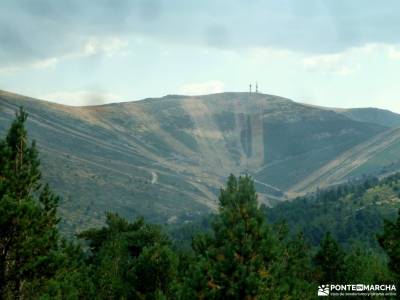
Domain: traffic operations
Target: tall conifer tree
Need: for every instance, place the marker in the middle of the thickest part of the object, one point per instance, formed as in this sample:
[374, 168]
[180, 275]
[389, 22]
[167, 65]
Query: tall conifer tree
[390, 242]
[28, 220]
[234, 262]
[330, 261]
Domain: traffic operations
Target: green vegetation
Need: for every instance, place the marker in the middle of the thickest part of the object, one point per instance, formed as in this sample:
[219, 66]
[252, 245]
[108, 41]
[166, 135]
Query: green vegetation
[352, 212]
[233, 262]
[107, 157]
[28, 220]
[390, 242]
[240, 256]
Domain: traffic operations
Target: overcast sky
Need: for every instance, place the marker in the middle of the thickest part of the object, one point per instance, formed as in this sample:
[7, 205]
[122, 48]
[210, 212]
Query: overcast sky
[341, 53]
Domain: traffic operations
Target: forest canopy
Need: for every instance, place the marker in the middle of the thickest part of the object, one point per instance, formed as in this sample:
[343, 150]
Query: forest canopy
[246, 251]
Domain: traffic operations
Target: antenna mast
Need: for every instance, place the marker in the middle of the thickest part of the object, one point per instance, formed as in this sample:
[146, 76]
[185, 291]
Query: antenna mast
[250, 88]
[256, 87]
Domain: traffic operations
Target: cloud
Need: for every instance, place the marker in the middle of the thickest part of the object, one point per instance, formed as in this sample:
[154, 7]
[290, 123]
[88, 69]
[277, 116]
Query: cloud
[92, 46]
[394, 52]
[43, 29]
[46, 29]
[202, 88]
[39, 64]
[81, 98]
[108, 46]
[346, 62]
[329, 63]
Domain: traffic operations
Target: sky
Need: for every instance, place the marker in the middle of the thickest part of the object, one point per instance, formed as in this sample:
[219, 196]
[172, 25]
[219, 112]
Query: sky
[336, 53]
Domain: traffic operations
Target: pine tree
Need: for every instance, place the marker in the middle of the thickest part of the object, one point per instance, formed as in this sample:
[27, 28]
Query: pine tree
[330, 261]
[154, 272]
[234, 262]
[390, 242]
[131, 260]
[292, 270]
[72, 280]
[363, 265]
[28, 217]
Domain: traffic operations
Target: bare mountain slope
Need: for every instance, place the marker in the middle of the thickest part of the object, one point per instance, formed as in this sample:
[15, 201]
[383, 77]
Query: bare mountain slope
[166, 158]
[350, 162]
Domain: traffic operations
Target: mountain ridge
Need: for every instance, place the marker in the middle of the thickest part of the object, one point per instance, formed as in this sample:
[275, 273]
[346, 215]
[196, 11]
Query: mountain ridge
[165, 158]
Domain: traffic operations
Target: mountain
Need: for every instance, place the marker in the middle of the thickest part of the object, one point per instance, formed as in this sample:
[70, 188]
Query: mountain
[166, 158]
[373, 115]
[353, 213]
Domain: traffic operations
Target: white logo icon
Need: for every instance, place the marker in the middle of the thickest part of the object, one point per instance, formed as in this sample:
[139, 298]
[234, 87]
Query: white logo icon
[323, 290]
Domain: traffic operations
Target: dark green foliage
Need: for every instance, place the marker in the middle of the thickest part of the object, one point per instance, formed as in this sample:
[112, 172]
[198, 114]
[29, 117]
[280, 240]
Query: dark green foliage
[330, 261]
[155, 271]
[390, 242]
[335, 265]
[292, 270]
[131, 260]
[182, 234]
[72, 280]
[295, 268]
[352, 212]
[28, 220]
[363, 265]
[235, 254]
[234, 262]
[19, 161]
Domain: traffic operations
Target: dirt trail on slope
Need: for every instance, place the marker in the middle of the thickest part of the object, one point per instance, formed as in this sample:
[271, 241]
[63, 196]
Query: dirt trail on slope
[197, 198]
[154, 177]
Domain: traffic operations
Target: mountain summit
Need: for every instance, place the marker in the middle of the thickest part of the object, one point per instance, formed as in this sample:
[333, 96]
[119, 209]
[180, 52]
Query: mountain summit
[166, 158]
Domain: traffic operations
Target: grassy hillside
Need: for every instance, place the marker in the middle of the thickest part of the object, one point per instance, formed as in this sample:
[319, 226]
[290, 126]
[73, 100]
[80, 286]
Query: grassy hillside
[376, 156]
[373, 115]
[166, 158]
